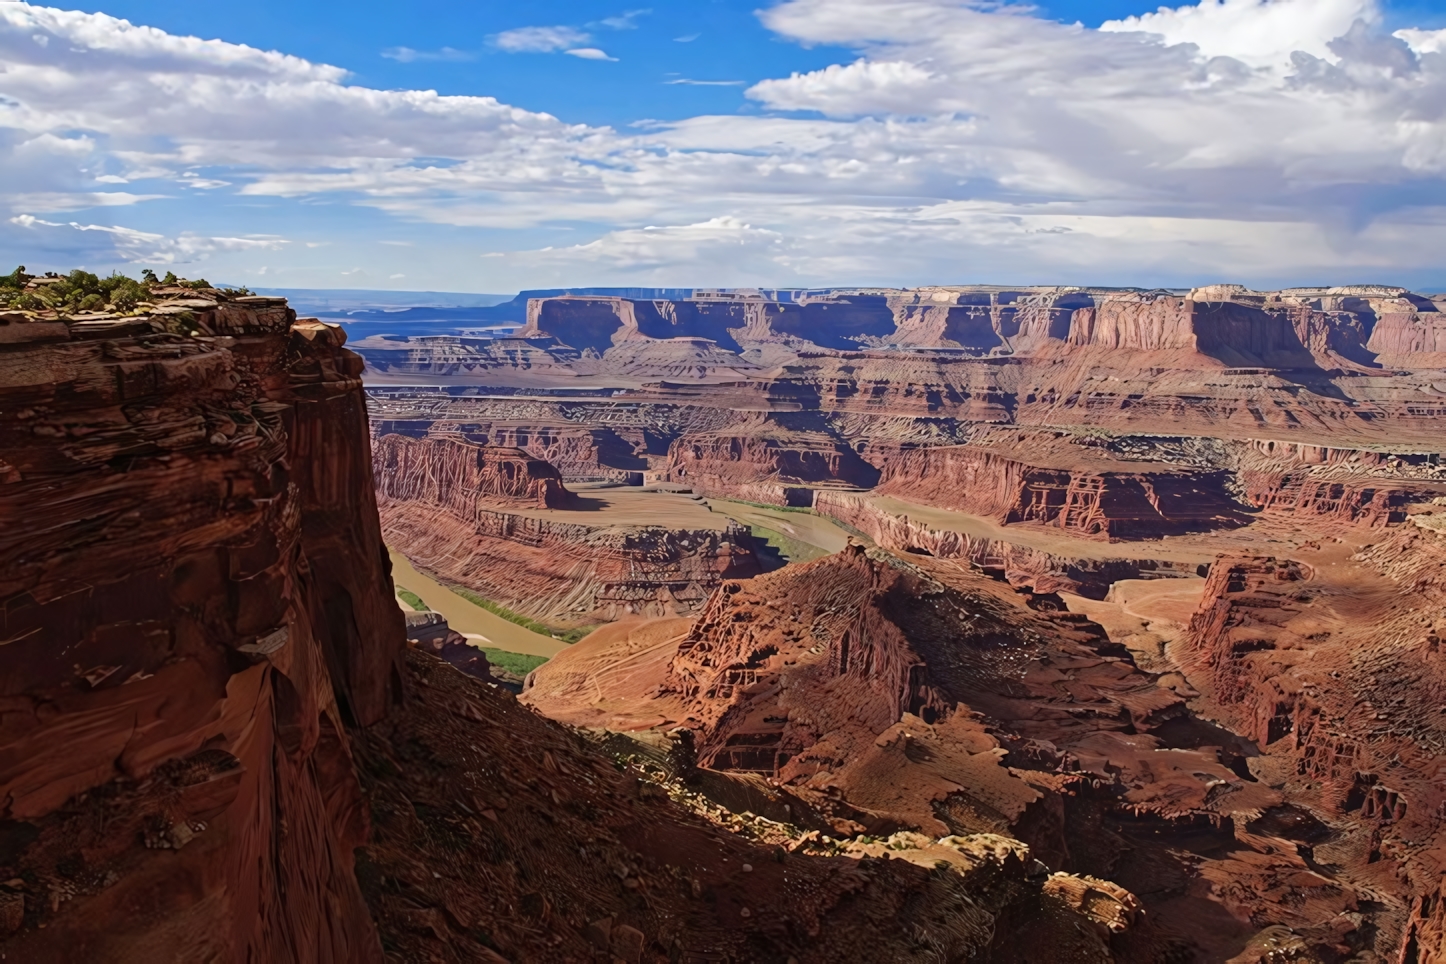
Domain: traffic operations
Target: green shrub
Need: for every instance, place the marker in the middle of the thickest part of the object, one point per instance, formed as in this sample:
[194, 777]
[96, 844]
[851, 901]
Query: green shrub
[128, 294]
[413, 600]
[15, 279]
[517, 663]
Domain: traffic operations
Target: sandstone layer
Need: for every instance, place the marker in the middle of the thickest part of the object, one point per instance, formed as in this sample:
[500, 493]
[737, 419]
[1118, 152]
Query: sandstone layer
[445, 505]
[463, 477]
[196, 608]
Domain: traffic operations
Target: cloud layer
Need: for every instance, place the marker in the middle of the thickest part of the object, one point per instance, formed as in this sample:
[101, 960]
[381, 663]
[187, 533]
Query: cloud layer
[962, 140]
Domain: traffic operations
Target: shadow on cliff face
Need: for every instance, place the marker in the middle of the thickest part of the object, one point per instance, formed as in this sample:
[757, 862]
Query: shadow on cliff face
[499, 836]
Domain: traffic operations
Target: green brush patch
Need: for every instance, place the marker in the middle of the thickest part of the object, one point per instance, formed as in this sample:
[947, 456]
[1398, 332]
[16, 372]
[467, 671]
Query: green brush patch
[519, 664]
[776, 550]
[413, 600]
[542, 629]
[763, 505]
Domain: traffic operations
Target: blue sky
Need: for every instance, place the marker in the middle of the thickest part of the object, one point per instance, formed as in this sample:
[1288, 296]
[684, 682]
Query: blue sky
[728, 43]
[701, 142]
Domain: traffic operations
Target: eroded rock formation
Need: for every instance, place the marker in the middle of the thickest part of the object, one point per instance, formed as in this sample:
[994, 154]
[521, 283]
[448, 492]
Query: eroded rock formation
[1094, 497]
[891, 694]
[766, 463]
[452, 507]
[196, 607]
[461, 476]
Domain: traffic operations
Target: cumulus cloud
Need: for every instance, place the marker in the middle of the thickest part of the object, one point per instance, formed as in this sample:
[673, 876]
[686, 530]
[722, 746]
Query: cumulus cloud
[960, 140]
[1262, 33]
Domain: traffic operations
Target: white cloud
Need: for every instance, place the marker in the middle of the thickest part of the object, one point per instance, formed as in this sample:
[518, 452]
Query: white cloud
[540, 40]
[406, 55]
[589, 53]
[1423, 41]
[863, 87]
[144, 247]
[624, 21]
[707, 83]
[1259, 32]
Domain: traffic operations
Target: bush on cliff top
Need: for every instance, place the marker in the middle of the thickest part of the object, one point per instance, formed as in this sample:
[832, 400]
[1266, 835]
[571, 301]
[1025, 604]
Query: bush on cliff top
[83, 291]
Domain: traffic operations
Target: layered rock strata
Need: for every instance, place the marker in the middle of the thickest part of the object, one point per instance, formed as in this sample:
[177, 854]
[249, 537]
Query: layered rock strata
[1332, 667]
[766, 465]
[216, 748]
[444, 504]
[463, 477]
[565, 572]
[1103, 500]
[887, 693]
[196, 607]
[499, 835]
[1016, 562]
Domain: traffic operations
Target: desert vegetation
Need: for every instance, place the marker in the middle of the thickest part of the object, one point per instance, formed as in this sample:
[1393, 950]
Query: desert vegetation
[84, 291]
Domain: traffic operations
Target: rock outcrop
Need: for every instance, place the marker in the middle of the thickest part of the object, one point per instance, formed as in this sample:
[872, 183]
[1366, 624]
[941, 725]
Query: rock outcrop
[1017, 562]
[565, 572]
[196, 608]
[462, 476]
[1094, 498]
[894, 695]
[455, 508]
[765, 463]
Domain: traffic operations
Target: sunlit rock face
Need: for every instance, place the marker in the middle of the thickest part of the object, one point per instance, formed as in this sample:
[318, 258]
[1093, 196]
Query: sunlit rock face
[196, 608]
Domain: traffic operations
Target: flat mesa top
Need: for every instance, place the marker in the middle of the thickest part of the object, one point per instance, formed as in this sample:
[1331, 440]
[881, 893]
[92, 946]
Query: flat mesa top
[606, 506]
[1179, 549]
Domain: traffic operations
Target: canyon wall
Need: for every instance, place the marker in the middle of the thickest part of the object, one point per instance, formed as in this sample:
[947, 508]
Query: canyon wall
[1335, 671]
[766, 464]
[445, 505]
[462, 476]
[1117, 501]
[565, 572]
[1018, 563]
[196, 607]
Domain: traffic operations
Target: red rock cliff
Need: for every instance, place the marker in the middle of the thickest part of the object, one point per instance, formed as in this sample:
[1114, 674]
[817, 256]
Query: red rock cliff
[1104, 500]
[196, 605]
[461, 475]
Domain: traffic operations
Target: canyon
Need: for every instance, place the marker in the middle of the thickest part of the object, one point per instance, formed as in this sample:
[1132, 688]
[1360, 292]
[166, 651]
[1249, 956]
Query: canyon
[1144, 579]
[956, 623]
[219, 745]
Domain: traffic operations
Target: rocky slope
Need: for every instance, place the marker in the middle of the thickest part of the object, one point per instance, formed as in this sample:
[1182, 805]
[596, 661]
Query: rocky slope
[885, 694]
[1085, 573]
[461, 476]
[1331, 665]
[1089, 495]
[767, 463]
